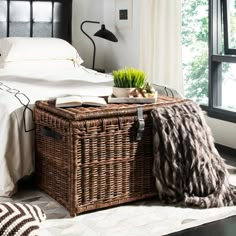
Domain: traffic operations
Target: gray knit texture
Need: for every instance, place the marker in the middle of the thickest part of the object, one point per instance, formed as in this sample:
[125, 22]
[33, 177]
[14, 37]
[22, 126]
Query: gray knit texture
[187, 167]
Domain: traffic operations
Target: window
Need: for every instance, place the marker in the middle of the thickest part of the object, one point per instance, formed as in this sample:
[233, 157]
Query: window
[229, 26]
[209, 55]
[222, 59]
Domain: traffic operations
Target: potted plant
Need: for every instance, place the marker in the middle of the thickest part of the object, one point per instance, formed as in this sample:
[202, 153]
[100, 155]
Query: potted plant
[126, 80]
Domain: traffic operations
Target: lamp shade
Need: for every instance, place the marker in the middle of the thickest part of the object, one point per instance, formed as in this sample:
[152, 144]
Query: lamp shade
[106, 34]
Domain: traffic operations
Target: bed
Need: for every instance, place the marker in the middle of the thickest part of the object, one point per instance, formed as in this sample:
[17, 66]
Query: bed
[37, 62]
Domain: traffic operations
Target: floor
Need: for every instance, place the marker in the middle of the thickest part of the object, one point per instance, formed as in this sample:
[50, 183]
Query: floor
[226, 227]
[28, 193]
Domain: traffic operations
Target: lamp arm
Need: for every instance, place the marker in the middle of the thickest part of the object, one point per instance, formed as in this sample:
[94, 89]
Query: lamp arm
[94, 47]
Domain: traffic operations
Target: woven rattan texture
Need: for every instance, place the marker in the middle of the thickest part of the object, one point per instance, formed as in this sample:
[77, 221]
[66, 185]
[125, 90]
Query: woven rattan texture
[89, 158]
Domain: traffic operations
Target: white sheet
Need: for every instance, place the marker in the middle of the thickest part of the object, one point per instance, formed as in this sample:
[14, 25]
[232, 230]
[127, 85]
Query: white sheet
[16, 148]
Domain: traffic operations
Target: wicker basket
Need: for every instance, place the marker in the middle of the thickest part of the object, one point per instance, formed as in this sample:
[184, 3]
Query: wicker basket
[89, 158]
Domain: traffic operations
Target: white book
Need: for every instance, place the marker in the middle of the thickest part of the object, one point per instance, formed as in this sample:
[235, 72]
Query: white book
[74, 101]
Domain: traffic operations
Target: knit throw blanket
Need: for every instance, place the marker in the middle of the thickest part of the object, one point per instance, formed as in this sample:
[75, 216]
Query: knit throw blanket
[187, 166]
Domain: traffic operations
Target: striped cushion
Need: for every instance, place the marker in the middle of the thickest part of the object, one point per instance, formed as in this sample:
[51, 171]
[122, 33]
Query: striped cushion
[20, 219]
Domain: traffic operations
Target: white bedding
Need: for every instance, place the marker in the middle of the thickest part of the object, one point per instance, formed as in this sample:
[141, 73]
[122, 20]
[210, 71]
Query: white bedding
[17, 146]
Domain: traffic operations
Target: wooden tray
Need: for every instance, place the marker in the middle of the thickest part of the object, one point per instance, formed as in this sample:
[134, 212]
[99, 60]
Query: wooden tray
[131, 100]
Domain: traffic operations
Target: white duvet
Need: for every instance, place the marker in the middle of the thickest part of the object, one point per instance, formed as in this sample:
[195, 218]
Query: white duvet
[17, 145]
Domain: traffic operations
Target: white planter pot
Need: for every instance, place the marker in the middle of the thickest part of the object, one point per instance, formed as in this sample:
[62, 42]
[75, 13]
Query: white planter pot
[122, 92]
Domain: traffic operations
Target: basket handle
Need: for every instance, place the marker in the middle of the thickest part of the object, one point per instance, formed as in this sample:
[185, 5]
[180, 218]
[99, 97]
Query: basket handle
[50, 133]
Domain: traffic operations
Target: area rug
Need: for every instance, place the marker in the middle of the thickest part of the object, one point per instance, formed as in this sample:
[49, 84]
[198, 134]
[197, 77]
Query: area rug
[142, 218]
[139, 219]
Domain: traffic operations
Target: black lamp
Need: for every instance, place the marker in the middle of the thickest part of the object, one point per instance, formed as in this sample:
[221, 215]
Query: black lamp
[102, 33]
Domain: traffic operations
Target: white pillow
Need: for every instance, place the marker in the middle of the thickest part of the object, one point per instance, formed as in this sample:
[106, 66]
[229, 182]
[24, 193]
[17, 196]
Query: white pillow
[26, 49]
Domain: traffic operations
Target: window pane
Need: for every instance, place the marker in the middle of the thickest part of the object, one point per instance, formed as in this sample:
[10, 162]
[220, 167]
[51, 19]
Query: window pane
[229, 87]
[231, 23]
[195, 49]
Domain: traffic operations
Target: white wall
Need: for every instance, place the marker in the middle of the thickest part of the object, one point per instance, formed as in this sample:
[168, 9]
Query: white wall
[223, 132]
[92, 10]
[125, 53]
[109, 55]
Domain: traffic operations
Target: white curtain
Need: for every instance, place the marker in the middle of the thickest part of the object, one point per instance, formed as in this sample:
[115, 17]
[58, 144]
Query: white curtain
[161, 56]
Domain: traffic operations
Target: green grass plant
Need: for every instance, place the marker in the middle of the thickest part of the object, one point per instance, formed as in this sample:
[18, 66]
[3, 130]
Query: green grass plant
[129, 78]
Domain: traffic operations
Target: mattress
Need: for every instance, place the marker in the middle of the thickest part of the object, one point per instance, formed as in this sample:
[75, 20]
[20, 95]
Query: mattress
[19, 89]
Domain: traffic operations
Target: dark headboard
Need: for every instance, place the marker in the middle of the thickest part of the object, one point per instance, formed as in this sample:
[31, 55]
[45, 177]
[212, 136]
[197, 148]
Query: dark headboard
[36, 18]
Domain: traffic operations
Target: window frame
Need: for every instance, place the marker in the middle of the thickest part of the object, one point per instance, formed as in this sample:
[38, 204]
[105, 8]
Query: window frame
[230, 51]
[216, 58]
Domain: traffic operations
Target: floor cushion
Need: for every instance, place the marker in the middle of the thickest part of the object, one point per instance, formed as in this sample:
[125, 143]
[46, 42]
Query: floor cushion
[20, 219]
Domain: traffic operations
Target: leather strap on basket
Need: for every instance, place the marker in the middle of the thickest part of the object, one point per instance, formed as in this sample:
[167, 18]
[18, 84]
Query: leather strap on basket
[141, 124]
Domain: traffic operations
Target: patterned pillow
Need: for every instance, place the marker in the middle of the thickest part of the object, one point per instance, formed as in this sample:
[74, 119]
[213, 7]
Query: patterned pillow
[20, 219]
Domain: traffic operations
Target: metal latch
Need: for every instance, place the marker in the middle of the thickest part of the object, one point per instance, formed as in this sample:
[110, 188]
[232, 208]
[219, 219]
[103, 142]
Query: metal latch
[141, 124]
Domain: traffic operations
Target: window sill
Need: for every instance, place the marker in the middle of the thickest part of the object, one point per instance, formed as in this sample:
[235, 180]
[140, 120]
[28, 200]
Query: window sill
[220, 114]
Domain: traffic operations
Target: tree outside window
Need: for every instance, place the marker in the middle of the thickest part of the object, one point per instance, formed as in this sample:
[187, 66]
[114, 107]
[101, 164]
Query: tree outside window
[196, 17]
[195, 49]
